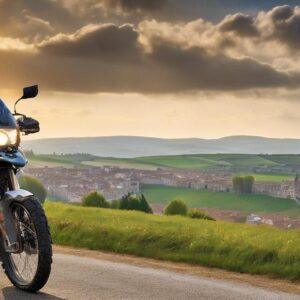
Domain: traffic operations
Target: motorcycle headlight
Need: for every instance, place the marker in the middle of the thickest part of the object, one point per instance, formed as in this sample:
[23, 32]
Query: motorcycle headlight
[9, 137]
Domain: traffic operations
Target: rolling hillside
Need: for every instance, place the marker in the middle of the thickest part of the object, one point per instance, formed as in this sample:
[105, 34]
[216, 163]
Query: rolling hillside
[130, 146]
[238, 163]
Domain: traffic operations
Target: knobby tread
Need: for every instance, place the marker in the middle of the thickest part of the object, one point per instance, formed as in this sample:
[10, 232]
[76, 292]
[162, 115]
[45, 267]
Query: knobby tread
[44, 245]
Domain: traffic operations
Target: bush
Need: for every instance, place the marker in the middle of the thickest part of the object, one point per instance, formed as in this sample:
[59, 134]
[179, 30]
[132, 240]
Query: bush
[198, 214]
[176, 207]
[94, 199]
[34, 186]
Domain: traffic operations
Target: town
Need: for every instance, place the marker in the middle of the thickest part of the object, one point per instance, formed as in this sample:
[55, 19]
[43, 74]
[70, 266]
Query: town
[70, 184]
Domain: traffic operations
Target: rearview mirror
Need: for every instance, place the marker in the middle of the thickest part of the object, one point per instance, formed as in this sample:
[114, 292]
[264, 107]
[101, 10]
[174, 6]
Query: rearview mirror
[30, 92]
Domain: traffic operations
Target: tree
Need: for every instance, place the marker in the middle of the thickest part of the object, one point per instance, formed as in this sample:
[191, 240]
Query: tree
[144, 206]
[94, 199]
[133, 203]
[238, 184]
[176, 207]
[248, 184]
[124, 201]
[243, 185]
[34, 186]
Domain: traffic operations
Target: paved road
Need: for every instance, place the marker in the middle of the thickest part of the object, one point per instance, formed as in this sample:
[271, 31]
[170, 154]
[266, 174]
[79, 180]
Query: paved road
[75, 277]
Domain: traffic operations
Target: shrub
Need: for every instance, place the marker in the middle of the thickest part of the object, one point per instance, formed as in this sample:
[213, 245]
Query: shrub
[94, 199]
[34, 186]
[176, 207]
[198, 214]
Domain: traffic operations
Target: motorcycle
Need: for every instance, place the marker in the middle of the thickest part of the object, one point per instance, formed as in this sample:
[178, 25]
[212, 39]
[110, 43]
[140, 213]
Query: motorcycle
[25, 241]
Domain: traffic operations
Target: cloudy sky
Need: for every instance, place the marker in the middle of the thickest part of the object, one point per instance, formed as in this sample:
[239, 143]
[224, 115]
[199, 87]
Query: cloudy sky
[164, 68]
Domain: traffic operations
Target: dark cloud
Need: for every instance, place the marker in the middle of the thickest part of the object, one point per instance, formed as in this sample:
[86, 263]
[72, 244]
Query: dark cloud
[164, 58]
[194, 69]
[96, 41]
[109, 58]
[281, 13]
[284, 21]
[281, 24]
[136, 5]
[241, 24]
[26, 19]
[32, 20]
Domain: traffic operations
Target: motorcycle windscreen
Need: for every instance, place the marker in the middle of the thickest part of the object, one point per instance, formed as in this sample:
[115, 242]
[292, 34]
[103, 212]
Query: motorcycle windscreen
[7, 120]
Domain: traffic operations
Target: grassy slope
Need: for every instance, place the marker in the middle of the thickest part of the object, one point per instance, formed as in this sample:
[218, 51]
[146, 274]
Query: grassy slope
[208, 161]
[119, 162]
[238, 247]
[227, 201]
[288, 159]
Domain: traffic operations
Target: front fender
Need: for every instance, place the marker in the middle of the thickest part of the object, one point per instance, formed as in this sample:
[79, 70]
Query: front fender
[17, 195]
[8, 227]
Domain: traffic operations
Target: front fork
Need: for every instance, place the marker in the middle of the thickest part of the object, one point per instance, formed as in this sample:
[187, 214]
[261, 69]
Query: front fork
[8, 225]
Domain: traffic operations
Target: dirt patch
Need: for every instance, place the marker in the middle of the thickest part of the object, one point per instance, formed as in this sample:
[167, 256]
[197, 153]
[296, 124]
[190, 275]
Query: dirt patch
[254, 280]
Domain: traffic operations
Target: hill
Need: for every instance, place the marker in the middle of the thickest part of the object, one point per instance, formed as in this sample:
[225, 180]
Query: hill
[263, 167]
[131, 146]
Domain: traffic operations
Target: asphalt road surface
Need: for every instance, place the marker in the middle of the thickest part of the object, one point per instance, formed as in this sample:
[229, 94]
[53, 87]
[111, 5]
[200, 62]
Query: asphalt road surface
[76, 277]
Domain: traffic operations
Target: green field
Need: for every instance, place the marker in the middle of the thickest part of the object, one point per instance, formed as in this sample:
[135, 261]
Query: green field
[231, 246]
[222, 200]
[57, 160]
[270, 177]
[208, 161]
[119, 162]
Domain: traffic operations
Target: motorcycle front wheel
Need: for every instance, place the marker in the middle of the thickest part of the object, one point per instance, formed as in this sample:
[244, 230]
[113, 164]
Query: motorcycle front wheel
[29, 270]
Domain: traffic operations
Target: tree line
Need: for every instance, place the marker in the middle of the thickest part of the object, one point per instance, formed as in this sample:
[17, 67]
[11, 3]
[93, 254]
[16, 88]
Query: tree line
[138, 202]
[130, 201]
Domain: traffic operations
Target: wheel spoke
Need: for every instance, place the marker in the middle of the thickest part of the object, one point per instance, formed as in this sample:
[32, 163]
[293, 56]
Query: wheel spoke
[25, 264]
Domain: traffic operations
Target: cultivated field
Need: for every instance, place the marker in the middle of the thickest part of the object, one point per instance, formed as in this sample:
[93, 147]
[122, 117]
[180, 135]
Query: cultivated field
[196, 162]
[231, 246]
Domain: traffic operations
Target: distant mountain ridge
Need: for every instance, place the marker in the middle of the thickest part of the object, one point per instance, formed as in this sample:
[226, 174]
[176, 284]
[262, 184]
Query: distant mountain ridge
[134, 146]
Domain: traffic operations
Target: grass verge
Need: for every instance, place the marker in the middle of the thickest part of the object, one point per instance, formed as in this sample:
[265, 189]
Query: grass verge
[236, 247]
